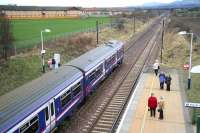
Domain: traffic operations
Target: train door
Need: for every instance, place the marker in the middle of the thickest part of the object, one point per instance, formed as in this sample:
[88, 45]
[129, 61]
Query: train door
[50, 115]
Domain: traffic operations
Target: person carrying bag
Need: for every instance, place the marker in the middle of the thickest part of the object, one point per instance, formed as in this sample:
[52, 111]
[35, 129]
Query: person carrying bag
[160, 108]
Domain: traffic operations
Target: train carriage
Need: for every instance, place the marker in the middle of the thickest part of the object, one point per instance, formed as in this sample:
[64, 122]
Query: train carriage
[93, 64]
[40, 106]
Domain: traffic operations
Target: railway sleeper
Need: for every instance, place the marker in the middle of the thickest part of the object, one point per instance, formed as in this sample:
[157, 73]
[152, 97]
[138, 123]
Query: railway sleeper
[125, 90]
[114, 114]
[127, 83]
[105, 122]
[109, 116]
[114, 109]
[118, 104]
[102, 125]
[94, 131]
[123, 87]
[111, 112]
[122, 94]
[122, 91]
[114, 106]
[119, 98]
[100, 130]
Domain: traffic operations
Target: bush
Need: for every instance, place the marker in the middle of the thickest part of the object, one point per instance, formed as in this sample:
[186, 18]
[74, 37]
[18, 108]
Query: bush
[119, 23]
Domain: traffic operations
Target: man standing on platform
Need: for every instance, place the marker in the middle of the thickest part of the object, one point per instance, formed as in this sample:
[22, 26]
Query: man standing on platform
[162, 80]
[168, 82]
[152, 104]
[156, 67]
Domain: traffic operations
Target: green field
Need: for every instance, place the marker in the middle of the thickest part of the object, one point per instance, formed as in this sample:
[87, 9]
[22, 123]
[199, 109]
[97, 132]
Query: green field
[27, 32]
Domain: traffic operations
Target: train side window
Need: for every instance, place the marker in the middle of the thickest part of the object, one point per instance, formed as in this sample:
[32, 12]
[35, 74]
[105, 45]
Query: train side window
[96, 73]
[31, 126]
[46, 113]
[76, 89]
[65, 98]
[99, 71]
[52, 109]
[92, 76]
[24, 127]
[110, 60]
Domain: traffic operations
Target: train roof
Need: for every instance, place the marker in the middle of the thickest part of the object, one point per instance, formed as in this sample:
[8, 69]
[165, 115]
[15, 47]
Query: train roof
[20, 102]
[115, 44]
[91, 58]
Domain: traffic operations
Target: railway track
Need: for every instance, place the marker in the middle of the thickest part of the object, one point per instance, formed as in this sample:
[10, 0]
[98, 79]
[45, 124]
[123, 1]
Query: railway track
[106, 114]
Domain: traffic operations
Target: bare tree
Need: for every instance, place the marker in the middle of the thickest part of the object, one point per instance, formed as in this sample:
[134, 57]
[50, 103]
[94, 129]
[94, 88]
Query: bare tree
[6, 37]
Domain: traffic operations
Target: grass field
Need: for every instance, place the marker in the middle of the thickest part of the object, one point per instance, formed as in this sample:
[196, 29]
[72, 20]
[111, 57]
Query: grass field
[29, 30]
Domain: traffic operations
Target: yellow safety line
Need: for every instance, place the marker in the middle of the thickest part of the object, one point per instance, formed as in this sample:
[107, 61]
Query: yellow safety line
[146, 109]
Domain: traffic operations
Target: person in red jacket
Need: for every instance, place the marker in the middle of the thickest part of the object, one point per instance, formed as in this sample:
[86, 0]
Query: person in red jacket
[152, 104]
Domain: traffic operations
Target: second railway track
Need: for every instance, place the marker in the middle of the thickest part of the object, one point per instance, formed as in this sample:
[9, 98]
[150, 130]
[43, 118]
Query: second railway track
[112, 106]
[115, 97]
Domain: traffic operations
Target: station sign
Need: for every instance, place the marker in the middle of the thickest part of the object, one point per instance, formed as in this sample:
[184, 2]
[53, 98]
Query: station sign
[186, 66]
[192, 105]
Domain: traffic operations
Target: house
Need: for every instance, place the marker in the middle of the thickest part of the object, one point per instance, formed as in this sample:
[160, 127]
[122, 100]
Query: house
[32, 12]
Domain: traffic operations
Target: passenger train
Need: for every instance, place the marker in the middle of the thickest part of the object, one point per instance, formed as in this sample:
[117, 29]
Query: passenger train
[41, 105]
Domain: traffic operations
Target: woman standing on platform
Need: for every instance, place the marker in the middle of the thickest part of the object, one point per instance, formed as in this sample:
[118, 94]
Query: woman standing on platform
[152, 104]
[160, 108]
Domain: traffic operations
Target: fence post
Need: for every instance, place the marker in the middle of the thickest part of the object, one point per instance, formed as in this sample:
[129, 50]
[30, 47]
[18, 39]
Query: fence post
[193, 116]
[198, 124]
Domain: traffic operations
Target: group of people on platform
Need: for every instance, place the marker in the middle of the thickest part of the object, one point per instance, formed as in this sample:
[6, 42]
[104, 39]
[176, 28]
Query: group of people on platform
[152, 100]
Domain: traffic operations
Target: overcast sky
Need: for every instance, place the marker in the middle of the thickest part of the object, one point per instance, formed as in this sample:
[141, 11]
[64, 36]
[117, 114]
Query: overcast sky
[82, 3]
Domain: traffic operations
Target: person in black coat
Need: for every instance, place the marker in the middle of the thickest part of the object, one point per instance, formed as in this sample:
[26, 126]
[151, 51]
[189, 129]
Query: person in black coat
[168, 82]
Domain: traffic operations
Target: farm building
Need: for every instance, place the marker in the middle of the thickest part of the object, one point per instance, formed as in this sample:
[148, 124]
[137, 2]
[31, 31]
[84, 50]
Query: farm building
[31, 12]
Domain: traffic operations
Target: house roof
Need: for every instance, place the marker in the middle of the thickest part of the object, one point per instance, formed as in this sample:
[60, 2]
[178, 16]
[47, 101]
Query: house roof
[37, 8]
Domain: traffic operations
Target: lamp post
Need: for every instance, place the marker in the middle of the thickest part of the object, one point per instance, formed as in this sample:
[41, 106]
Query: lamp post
[43, 51]
[190, 59]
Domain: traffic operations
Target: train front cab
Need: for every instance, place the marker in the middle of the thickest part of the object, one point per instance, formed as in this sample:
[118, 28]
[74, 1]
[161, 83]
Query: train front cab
[120, 55]
[47, 117]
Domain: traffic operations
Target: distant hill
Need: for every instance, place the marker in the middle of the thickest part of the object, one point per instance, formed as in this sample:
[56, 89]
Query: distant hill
[176, 4]
[151, 4]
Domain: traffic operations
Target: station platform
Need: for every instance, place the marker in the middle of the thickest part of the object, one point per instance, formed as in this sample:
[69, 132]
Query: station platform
[136, 118]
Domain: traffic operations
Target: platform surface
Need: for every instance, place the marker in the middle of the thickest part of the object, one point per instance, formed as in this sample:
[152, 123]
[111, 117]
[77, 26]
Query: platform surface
[136, 118]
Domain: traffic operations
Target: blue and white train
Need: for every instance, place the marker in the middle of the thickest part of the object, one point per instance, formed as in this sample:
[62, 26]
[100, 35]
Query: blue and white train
[42, 104]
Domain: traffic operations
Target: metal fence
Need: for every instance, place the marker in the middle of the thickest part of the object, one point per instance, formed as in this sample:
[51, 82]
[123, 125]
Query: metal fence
[28, 44]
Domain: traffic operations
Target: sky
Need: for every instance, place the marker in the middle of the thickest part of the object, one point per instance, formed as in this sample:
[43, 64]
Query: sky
[81, 3]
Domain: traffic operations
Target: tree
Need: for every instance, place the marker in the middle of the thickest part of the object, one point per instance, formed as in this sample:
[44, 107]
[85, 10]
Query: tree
[119, 23]
[6, 37]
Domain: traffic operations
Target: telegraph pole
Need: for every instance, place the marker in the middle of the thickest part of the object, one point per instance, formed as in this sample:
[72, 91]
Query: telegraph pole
[163, 26]
[97, 29]
[134, 23]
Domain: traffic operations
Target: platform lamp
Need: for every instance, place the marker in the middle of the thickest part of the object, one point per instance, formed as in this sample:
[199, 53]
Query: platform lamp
[190, 59]
[43, 51]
